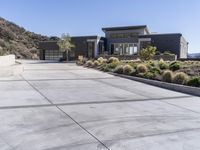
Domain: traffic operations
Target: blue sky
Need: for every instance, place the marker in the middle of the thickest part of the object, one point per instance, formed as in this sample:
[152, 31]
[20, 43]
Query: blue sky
[87, 17]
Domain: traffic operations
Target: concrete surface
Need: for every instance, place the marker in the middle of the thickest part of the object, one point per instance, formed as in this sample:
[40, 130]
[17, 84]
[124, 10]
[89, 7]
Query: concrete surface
[58, 106]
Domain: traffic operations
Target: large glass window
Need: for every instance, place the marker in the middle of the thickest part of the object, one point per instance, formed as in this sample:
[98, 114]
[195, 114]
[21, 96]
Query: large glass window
[125, 48]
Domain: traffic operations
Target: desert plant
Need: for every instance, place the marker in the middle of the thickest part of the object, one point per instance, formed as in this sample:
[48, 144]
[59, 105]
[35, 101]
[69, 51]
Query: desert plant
[113, 65]
[174, 66]
[113, 60]
[101, 60]
[133, 72]
[65, 44]
[155, 70]
[167, 76]
[194, 81]
[180, 78]
[149, 75]
[141, 68]
[89, 63]
[96, 63]
[163, 65]
[119, 69]
[147, 53]
[127, 69]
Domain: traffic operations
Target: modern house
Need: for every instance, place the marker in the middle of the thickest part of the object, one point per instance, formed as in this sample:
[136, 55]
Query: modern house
[117, 41]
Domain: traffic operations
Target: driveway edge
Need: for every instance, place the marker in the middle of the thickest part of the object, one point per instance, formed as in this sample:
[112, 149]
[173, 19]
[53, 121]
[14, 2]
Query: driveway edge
[170, 86]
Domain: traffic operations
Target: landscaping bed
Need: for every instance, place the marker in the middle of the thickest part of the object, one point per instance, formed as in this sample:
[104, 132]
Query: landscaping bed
[177, 72]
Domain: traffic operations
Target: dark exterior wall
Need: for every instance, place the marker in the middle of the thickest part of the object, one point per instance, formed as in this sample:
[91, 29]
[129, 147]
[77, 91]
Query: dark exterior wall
[81, 45]
[166, 42]
[79, 49]
[49, 45]
[134, 39]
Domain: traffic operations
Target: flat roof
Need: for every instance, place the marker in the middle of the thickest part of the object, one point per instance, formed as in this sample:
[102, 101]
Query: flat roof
[124, 28]
[161, 34]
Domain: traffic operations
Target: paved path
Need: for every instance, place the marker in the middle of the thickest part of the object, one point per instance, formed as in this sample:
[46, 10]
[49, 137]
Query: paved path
[55, 106]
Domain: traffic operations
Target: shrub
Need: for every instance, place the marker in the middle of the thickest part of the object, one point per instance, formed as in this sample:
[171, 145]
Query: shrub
[155, 70]
[106, 68]
[119, 69]
[89, 63]
[113, 60]
[133, 64]
[163, 65]
[133, 72]
[194, 81]
[113, 65]
[149, 75]
[96, 63]
[101, 60]
[147, 53]
[127, 69]
[141, 68]
[174, 66]
[167, 76]
[180, 78]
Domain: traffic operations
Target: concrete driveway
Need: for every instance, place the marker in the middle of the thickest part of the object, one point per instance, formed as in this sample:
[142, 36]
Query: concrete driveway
[54, 106]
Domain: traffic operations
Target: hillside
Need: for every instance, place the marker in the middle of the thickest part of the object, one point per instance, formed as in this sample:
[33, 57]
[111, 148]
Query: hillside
[16, 40]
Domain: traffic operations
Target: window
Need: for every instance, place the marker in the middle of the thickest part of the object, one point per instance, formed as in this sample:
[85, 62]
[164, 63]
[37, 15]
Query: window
[123, 35]
[124, 49]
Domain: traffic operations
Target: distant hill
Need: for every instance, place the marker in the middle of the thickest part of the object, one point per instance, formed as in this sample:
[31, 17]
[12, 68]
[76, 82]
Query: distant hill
[16, 40]
[194, 55]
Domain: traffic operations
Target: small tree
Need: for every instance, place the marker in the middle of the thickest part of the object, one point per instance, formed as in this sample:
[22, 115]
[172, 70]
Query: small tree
[147, 53]
[65, 44]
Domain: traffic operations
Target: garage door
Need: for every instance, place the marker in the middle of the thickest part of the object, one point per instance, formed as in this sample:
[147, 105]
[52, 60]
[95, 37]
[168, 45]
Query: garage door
[53, 55]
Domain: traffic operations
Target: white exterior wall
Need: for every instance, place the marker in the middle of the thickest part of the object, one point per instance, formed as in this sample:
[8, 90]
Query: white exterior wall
[7, 60]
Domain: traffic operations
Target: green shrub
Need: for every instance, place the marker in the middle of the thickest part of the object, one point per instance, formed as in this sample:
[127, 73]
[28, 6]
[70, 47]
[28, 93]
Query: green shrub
[119, 69]
[147, 53]
[155, 70]
[174, 66]
[167, 76]
[194, 81]
[180, 78]
[113, 60]
[89, 63]
[113, 65]
[106, 68]
[163, 65]
[133, 64]
[151, 63]
[150, 75]
[141, 68]
[127, 69]
[96, 63]
[133, 72]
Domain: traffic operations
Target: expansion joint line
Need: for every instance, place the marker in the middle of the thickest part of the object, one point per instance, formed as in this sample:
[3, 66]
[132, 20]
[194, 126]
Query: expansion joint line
[66, 114]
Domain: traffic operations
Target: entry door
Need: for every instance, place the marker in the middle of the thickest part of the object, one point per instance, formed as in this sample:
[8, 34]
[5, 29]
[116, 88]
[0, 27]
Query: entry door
[91, 49]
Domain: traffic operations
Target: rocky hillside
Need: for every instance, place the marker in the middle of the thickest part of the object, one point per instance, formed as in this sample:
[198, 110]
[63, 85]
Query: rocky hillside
[16, 40]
